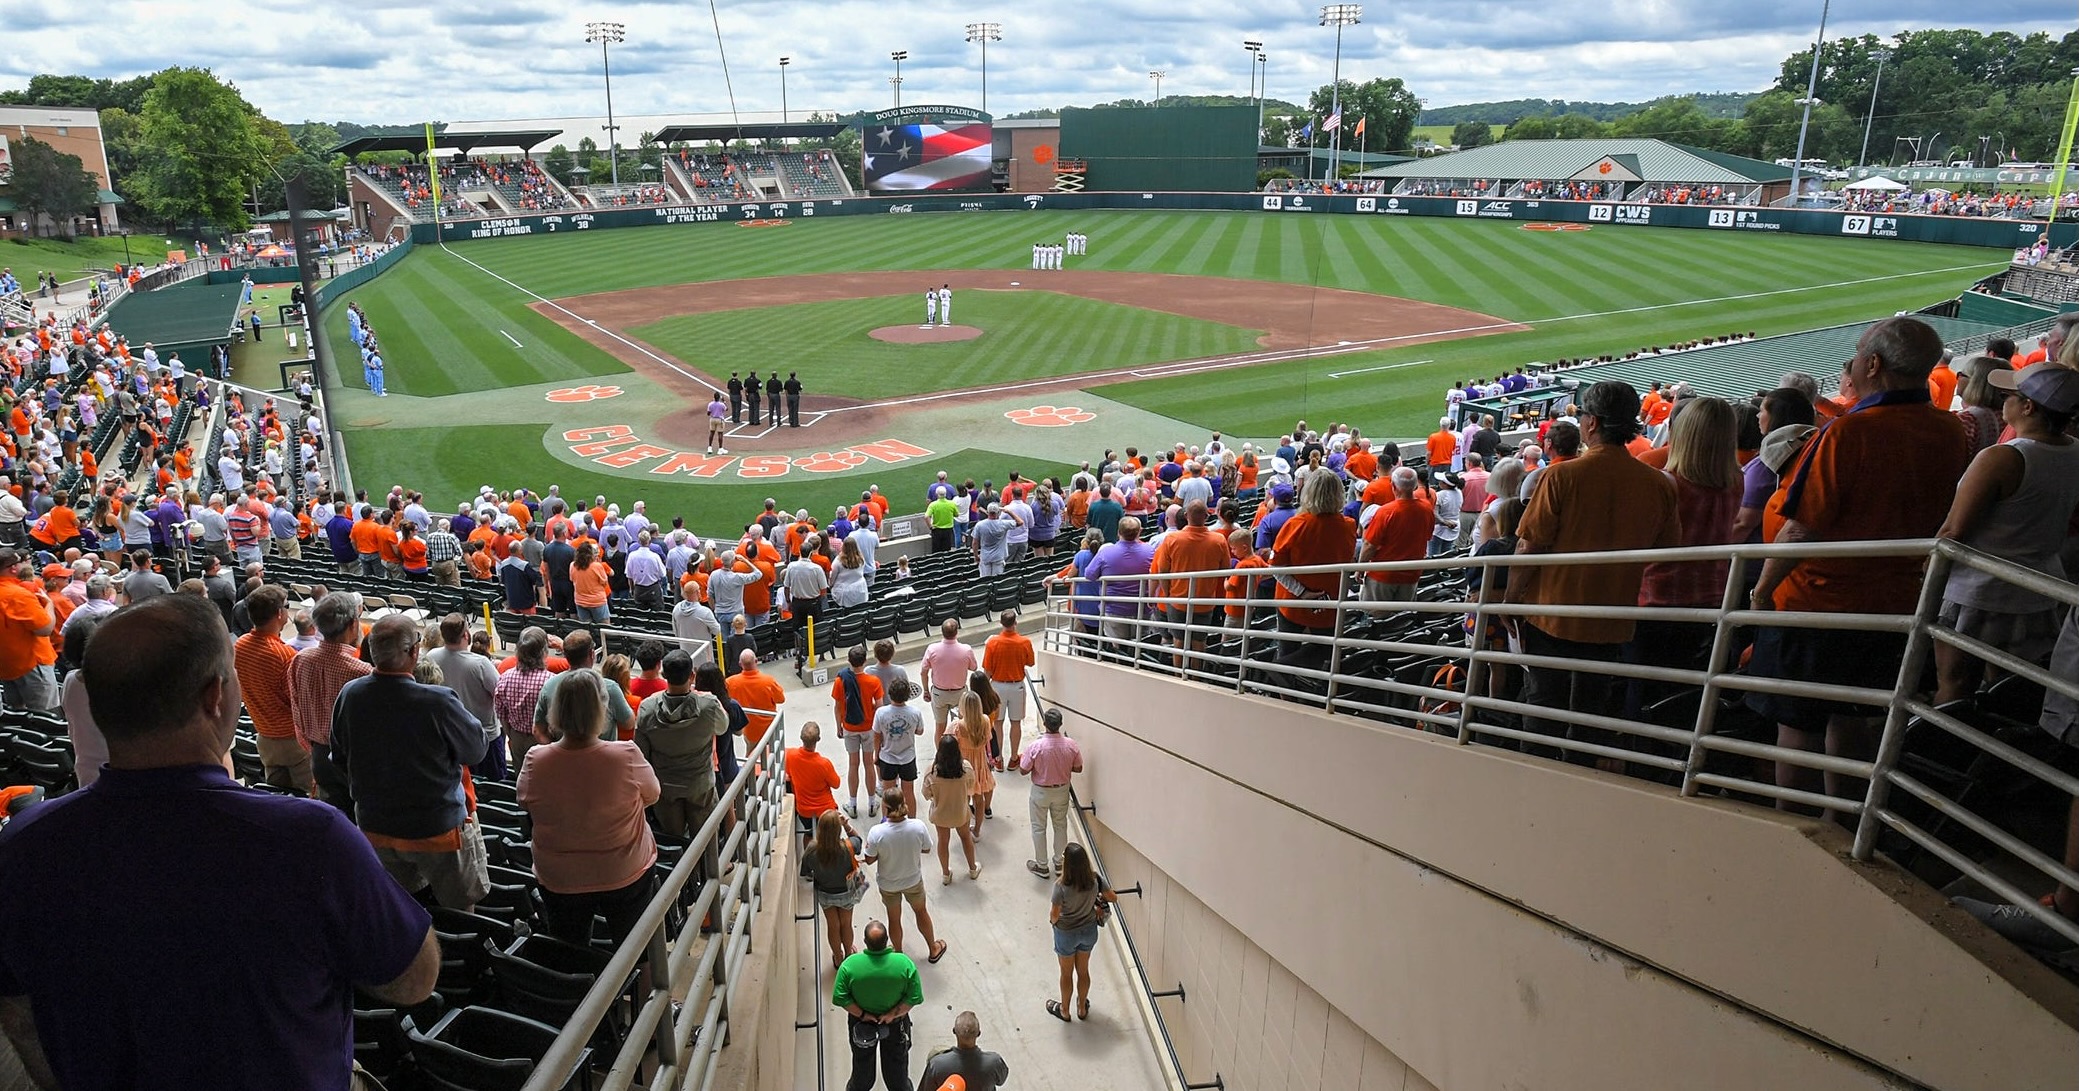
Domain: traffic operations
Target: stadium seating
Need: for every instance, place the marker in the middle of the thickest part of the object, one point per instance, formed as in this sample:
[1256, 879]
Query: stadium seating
[812, 174]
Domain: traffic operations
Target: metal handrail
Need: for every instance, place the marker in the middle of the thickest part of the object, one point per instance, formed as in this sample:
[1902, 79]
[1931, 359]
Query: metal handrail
[1175, 1069]
[681, 1049]
[1463, 707]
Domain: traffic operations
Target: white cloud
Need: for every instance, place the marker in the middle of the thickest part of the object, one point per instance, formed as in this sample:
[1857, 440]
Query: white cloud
[398, 61]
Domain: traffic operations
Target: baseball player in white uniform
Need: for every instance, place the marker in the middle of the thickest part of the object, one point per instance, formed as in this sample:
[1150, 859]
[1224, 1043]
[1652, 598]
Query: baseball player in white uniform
[945, 304]
[1036, 248]
[930, 307]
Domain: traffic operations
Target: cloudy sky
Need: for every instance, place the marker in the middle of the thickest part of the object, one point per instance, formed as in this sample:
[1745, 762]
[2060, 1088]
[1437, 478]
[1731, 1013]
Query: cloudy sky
[400, 60]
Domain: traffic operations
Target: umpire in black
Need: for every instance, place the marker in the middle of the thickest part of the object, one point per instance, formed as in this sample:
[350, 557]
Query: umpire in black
[793, 400]
[736, 398]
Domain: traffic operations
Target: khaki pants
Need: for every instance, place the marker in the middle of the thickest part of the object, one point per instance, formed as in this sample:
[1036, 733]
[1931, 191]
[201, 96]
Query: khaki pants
[459, 879]
[286, 762]
[446, 575]
[288, 547]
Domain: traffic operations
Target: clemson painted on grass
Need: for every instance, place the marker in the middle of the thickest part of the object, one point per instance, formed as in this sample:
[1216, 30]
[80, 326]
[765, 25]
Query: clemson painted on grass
[616, 446]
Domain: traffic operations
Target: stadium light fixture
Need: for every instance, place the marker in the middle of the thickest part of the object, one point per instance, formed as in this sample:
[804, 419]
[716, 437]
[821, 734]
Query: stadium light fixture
[1157, 75]
[985, 33]
[1255, 50]
[1870, 122]
[1338, 16]
[895, 81]
[1811, 99]
[784, 62]
[607, 34]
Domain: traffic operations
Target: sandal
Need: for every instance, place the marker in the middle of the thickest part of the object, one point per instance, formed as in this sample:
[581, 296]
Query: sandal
[1054, 1009]
[937, 952]
[1083, 1009]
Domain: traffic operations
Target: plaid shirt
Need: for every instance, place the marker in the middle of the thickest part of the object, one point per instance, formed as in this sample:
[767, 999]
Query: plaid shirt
[442, 546]
[514, 699]
[315, 678]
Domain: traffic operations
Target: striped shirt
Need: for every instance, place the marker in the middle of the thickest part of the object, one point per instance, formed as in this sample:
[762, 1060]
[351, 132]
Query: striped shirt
[315, 678]
[441, 546]
[262, 661]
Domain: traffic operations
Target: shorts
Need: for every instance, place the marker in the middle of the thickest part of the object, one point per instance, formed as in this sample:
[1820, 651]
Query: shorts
[459, 879]
[1835, 657]
[906, 771]
[2028, 636]
[1012, 694]
[844, 899]
[856, 742]
[945, 700]
[911, 894]
[1070, 942]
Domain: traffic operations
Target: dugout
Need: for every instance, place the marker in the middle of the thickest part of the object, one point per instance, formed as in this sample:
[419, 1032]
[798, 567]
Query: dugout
[1202, 149]
[186, 318]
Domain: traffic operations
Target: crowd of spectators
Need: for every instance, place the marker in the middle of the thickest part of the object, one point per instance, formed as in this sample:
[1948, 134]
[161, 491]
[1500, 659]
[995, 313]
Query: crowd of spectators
[1935, 201]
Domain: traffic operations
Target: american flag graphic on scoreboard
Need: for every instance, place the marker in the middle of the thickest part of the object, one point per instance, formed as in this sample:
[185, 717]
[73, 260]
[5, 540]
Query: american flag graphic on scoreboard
[907, 158]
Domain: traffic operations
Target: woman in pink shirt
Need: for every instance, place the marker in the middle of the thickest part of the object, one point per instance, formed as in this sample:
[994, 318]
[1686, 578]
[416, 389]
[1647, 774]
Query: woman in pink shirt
[592, 847]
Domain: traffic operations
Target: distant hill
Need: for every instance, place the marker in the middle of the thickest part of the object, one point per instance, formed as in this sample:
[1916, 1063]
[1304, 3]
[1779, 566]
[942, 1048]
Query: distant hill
[1716, 104]
[1271, 107]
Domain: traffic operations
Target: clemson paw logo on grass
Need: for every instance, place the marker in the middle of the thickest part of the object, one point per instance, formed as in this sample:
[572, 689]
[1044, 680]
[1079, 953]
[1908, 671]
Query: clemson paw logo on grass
[587, 393]
[1049, 416]
[830, 462]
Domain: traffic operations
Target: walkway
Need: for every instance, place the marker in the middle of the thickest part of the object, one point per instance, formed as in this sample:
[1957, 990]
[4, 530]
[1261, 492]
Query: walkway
[999, 962]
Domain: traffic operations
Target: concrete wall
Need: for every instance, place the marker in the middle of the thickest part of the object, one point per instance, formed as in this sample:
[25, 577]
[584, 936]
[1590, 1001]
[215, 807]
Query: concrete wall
[1493, 921]
[760, 1053]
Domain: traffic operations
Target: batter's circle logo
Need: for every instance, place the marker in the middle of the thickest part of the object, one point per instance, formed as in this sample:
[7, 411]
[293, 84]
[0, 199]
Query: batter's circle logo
[1049, 416]
[585, 393]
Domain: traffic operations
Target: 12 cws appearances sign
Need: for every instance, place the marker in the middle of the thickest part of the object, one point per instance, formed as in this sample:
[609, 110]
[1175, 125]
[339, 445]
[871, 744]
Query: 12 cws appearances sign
[2002, 234]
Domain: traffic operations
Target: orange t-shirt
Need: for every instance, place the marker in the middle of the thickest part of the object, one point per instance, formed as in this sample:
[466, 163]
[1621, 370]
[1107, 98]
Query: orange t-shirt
[590, 585]
[814, 779]
[1241, 581]
[1941, 386]
[1192, 549]
[1006, 657]
[1308, 539]
[1441, 446]
[871, 693]
[754, 689]
[1363, 464]
[363, 535]
[386, 543]
[1399, 531]
[412, 554]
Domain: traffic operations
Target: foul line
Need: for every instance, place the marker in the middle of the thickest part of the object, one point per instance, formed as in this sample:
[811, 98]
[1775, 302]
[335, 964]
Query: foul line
[1383, 367]
[566, 310]
[514, 340]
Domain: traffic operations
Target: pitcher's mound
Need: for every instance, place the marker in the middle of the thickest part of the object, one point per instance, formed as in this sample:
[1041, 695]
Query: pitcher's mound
[924, 335]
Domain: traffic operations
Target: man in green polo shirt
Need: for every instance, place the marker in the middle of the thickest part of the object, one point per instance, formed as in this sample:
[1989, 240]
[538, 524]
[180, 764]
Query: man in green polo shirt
[877, 987]
[942, 513]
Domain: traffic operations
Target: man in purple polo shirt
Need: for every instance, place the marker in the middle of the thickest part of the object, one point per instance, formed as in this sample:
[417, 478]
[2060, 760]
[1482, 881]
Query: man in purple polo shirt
[143, 941]
[1129, 556]
[167, 535]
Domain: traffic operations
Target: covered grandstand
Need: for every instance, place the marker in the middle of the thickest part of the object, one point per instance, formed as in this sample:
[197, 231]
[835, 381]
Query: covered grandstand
[1624, 169]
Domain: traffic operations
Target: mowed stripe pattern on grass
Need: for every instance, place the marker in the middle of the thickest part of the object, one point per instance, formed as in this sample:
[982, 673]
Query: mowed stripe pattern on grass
[439, 323]
[1027, 335]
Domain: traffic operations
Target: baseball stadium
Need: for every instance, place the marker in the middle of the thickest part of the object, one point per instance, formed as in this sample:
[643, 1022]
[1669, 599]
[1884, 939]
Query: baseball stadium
[1550, 613]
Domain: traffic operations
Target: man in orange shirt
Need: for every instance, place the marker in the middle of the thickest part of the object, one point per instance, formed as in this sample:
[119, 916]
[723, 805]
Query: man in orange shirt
[1399, 531]
[1194, 547]
[759, 695]
[1242, 586]
[262, 662]
[1320, 534]
[1941, 383]
[1363, 464]
[1006, 657]
[812, 778]
[855, 721]
[28, 676]
[1888, 469]
[363, 536]
[1442, 445]
[386, 545]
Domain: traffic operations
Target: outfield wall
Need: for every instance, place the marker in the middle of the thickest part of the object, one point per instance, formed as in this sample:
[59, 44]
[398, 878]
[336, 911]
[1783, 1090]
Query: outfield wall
[2003, 234]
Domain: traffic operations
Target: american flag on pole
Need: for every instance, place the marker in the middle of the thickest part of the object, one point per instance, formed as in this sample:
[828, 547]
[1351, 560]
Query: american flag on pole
[908, 158]
[1335, 121]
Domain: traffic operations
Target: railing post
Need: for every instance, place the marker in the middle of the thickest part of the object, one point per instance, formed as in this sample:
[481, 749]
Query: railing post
[1721, 651]
[1335, 642]
[660, 982]
[1911, 666]
[1476, 655]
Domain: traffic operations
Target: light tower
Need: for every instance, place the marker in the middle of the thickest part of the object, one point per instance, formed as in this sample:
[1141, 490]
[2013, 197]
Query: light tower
[608, 34]
[985, 33]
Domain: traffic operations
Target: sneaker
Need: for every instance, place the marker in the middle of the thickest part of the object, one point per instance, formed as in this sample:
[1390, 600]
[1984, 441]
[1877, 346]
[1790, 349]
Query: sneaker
[851, 808]
[2018, 925]
[1039, 869]
[873, 808]
[710, 452]
[721, 450]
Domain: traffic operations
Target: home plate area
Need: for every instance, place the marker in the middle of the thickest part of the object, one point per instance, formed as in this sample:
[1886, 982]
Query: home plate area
[924, 335]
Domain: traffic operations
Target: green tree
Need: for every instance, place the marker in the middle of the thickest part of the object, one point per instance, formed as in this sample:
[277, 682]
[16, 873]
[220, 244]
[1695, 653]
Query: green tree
[1472, 134]
[1387, 107]
[49, 183]
[558, 163]
[205, 150]
[1578, 127]
[1678, 120]
[1277, 131]
[1530, 128]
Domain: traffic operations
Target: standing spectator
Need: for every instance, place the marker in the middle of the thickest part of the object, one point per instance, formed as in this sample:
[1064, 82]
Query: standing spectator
[877, 988]
[1081, 902]
[519, 688]
[947, 785]
[645, 573]
[945, 668]
[992, 541]
[676, 731]
[854, 696]
[443, 553]
[1442, 446]
[520, 582]
[812, 778]
[592, 849]
[1983, 401]
[1319, 534]
[589, 580]
[895, 730]
[263, 680]
[2015, 502]
[760, 696]
[1886, 469]
[475, 682]
[315, 679]
[691, 619]
[848, 576]
[404, 747]
[558, 557]
[896, 847]
[1006, 657]
[1450, 507]
[943, 515]
[832, 866]
[26, 622]
[1128, 556]
[1702, 463]
[709, 679]
[98, 1014]
[973, 728]
[1050, 760]
[1398, 531]
[806, 583]
[1105, 513]
[978, 1068]
[1787, 421]
[1194, 547]
[1602, 501]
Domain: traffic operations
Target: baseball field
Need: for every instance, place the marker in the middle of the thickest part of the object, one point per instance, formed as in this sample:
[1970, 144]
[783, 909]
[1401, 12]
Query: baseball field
[586, 359]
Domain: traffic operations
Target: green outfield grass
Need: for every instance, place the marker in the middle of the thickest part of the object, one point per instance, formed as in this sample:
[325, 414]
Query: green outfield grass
[1026, 335]
[451, 464]
[446, 328]
[70, 258]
